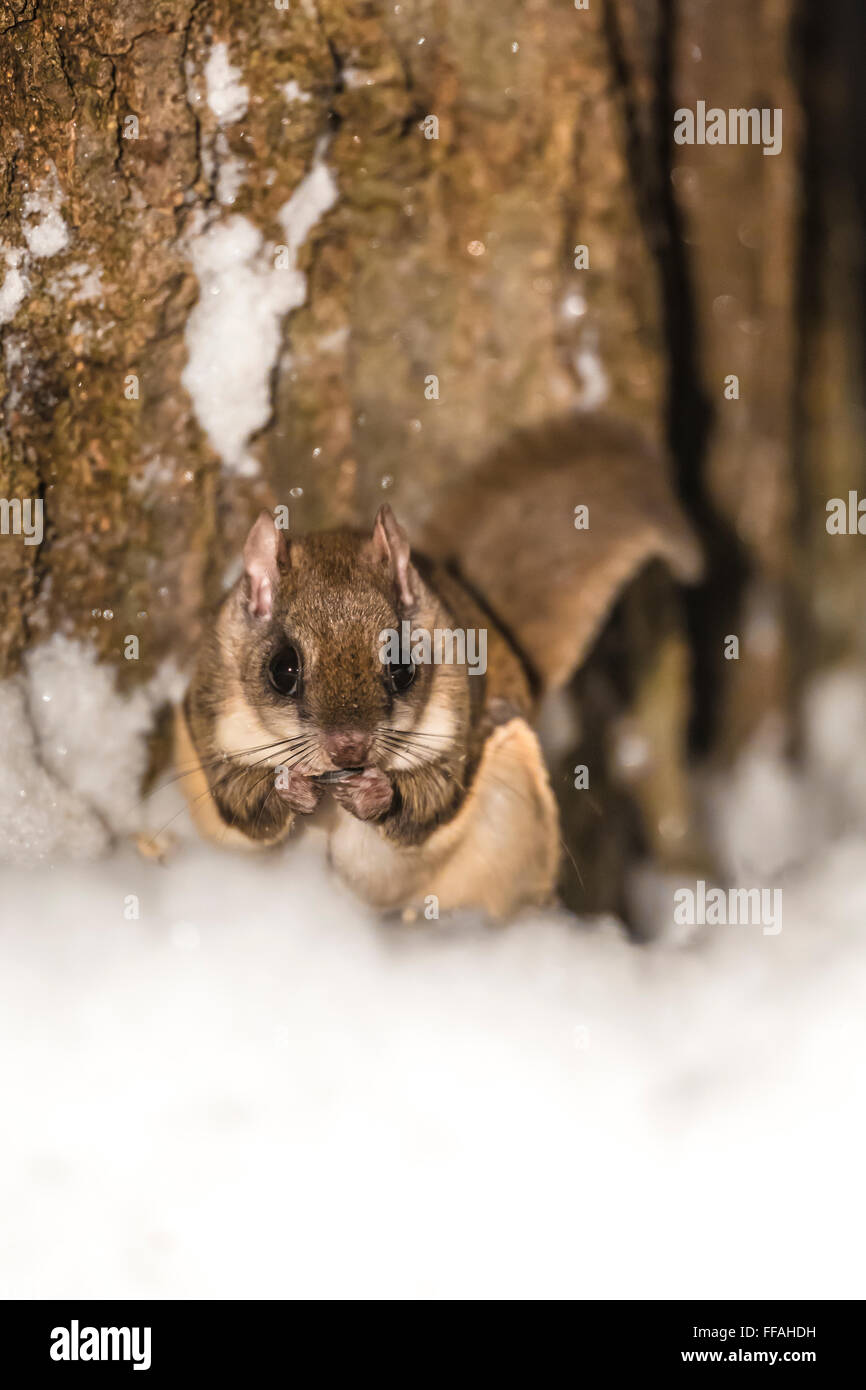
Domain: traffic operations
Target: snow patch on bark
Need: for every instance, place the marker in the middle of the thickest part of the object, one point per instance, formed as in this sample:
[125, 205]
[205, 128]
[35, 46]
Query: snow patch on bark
[233, 333]
[356, 77]
[592, 375]
[80, 283]
[314, 196]
[44, 229]
[292, 91]
[14, 289]
[231, 171]
[227, 97]
[45, 234]
[75, 751]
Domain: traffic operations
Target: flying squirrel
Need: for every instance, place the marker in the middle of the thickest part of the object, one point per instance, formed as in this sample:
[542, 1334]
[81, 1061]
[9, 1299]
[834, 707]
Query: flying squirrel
[427, 774]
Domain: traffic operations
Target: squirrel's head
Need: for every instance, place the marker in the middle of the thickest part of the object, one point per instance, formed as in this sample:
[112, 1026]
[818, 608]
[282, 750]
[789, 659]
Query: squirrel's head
[324, 673]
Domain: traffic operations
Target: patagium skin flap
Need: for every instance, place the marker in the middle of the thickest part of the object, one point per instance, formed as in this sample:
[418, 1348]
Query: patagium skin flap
[349, 679]
[553, 525]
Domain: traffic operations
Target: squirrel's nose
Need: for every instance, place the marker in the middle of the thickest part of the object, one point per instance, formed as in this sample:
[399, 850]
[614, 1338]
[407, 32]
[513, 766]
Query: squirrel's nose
[346, 748]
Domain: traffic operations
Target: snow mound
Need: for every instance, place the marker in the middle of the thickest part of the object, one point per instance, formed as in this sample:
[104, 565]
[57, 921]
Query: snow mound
[256, 1089]
[224, 1077]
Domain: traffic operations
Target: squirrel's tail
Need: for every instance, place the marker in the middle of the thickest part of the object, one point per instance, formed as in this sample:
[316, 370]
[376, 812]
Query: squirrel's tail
[553, 525]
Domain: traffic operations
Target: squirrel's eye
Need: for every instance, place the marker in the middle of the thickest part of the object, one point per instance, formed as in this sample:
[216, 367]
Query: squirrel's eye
[284, 671]
[401, 676]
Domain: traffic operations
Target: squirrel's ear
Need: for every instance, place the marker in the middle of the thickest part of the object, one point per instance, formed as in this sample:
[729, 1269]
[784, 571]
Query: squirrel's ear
[265, 554]
[391, 547]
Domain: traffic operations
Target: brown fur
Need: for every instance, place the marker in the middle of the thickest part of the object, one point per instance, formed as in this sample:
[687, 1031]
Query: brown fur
[333, 599]
[470, 817]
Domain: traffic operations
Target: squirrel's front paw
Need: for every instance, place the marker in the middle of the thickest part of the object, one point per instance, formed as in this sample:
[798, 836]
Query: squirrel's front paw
[366, 794]
[301, 792]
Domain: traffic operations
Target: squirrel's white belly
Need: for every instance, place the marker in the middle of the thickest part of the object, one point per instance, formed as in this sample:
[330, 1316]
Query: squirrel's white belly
[380, 871]
[500, 851]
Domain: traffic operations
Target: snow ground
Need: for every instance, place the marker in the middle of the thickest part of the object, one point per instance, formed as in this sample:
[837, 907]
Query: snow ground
[260, 1089]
